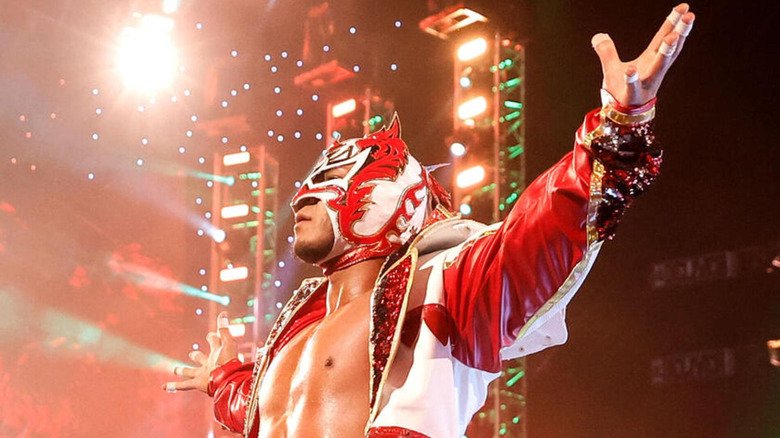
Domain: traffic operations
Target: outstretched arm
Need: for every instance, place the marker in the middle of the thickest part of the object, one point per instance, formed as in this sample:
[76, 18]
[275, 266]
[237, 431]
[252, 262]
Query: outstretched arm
[220, 375]
[502, 288]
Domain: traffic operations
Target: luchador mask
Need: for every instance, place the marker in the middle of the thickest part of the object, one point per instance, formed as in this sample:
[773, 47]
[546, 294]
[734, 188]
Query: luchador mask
[382, 200]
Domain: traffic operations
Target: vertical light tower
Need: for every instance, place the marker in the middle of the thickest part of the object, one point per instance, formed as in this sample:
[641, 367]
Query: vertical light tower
[358, 116]
[243, 256]
[487, 145]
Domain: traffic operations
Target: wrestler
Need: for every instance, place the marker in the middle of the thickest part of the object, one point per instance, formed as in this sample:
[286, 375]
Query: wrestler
[418, 307]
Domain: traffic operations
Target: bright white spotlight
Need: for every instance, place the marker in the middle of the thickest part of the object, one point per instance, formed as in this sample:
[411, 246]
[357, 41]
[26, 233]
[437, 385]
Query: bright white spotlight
[237, 158]
[472, 49]
[218, 235]
[470, 176]
[170, 6]
[146, 57]
[237, 330]
[344, 108]
[232, 211]
[457, 149]
[472, 108]
[234, 274]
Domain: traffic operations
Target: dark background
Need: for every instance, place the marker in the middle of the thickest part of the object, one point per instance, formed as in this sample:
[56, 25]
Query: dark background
[84, 346]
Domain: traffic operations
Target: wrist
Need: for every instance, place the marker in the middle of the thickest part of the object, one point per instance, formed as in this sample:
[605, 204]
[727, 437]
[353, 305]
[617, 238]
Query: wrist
[622, 114]
[218, 375]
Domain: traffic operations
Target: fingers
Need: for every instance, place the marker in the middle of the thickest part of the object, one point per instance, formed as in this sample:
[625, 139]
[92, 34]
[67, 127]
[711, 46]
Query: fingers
[223, 326]
[633, 86]
[668, 45]
[185, 372]
[668, 26]
[683, 28]
[184, 385]
[214, 341]
[198, 357]
[662, 60]
[605, 49]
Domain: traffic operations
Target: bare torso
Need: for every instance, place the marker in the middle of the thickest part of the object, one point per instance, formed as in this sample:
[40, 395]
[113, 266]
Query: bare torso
[318, 384]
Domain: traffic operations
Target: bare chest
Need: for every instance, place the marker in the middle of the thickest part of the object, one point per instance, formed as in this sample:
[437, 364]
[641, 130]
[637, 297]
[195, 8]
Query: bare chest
[317, 385]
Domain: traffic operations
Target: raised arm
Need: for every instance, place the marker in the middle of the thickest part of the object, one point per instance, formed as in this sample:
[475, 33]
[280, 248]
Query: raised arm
[507, 288]
[220, 375]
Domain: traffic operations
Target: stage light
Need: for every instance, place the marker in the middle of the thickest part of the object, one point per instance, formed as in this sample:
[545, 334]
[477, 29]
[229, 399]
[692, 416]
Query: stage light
[237, 158]
[170, 6]
[472, 49]
[465, 82]
[472, 108]
[237, 330]
[470, 176]
[465, 209]
[512, 104]
[344, 108]
[234, 274]
[218, 235]
[457, 149]
[146, 56]
[233, 211]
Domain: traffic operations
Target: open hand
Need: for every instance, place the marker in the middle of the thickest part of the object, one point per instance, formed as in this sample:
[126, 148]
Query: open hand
[223, 348]
[636, 82]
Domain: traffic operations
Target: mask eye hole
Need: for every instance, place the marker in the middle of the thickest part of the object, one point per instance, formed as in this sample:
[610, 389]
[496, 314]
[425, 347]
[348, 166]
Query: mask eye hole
[318, 178]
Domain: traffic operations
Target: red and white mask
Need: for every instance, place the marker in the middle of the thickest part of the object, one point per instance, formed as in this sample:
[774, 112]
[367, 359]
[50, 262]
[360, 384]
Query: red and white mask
[382, 200]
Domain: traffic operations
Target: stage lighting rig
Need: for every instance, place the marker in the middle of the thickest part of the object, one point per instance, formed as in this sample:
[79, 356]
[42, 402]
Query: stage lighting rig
[146, 57]
[246, 259]
[358, 116]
